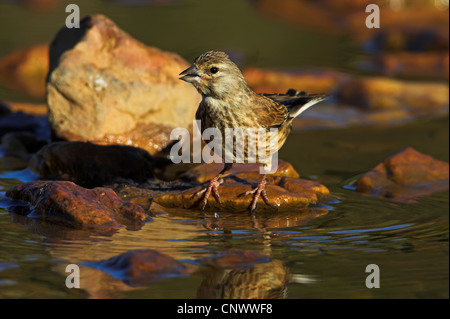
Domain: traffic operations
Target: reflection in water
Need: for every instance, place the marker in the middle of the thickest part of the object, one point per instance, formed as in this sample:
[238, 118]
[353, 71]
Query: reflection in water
[265, 280]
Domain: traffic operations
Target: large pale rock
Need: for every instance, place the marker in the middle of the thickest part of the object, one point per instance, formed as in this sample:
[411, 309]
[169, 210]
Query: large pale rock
[108, 88]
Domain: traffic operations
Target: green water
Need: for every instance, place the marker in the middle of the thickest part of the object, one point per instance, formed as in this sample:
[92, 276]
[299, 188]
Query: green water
[409, 242]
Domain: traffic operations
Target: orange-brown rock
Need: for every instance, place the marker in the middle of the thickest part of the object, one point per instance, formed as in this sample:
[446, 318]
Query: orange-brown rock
[106, 87]
[25, 70]
[141, 266]
[269, 81]
[405, 176]
[91, 165]
[27, 108]
[380, 93]
[66, 203]
[286, 193]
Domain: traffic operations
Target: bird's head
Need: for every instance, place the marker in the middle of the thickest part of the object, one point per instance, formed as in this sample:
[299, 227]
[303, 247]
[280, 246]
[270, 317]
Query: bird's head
[213, 74]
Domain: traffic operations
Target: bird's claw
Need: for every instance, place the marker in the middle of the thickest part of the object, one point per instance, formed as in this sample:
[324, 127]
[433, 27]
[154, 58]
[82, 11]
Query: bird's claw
[258, 191]
[212, 188]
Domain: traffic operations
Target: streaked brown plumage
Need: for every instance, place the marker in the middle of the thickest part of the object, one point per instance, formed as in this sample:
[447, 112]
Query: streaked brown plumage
[227, 102]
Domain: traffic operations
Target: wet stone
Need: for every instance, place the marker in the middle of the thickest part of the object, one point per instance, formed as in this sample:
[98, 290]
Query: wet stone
[405, 176]
[141, 267]
[91, 165]
[68, 204]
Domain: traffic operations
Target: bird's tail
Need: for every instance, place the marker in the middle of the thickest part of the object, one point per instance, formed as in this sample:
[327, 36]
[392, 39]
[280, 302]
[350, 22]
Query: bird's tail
[304, 102]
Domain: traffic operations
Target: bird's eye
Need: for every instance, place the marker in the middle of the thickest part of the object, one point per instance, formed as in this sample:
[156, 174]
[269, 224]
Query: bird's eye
[214, 70]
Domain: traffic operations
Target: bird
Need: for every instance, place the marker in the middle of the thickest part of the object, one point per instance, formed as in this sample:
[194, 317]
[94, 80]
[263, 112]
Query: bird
[229, 103]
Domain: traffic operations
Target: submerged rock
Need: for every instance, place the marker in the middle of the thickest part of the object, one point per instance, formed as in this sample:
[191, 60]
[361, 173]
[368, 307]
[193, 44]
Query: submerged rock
[91, 165]
[405, 176]
[68, 204]
[106, 87]
[25, 70]
[141, 266]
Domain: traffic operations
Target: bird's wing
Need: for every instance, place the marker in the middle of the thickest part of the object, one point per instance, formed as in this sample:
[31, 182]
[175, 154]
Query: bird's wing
[269, 113]
[296, 102]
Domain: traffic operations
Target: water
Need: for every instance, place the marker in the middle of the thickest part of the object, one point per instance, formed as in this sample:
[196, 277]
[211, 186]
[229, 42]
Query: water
[326, 255]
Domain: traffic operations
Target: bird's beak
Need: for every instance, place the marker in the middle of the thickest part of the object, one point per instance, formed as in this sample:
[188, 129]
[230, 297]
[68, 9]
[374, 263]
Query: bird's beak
[191, 74]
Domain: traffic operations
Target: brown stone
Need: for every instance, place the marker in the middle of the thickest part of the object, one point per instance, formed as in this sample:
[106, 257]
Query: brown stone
[91, 165]
[21, 144]
[27, 108]
[379, 93]
[68, 204]
[286, 193]
[25, 70]
[204, 173]
[140, 267]
[270, 81]
[106, 87]
[405, 176]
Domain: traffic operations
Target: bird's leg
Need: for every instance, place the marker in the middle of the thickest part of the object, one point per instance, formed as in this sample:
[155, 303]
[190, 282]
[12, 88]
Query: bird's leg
[260, 190]
[212, 187]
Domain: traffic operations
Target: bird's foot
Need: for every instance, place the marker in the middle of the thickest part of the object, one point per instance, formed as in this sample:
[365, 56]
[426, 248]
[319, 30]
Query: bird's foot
[211, 189]
[260, 190]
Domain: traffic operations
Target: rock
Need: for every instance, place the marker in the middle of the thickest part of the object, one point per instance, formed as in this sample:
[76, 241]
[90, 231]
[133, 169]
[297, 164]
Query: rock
[106, 87]
[91, 165]
[27, 108]
[25, 70]
[21, 144]
[249, 275]
[379, 93]
[405, 176]
[269, 81]
[204, 173]
[21, 122]
[286, 193]
[141, 266]
[66, 203]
